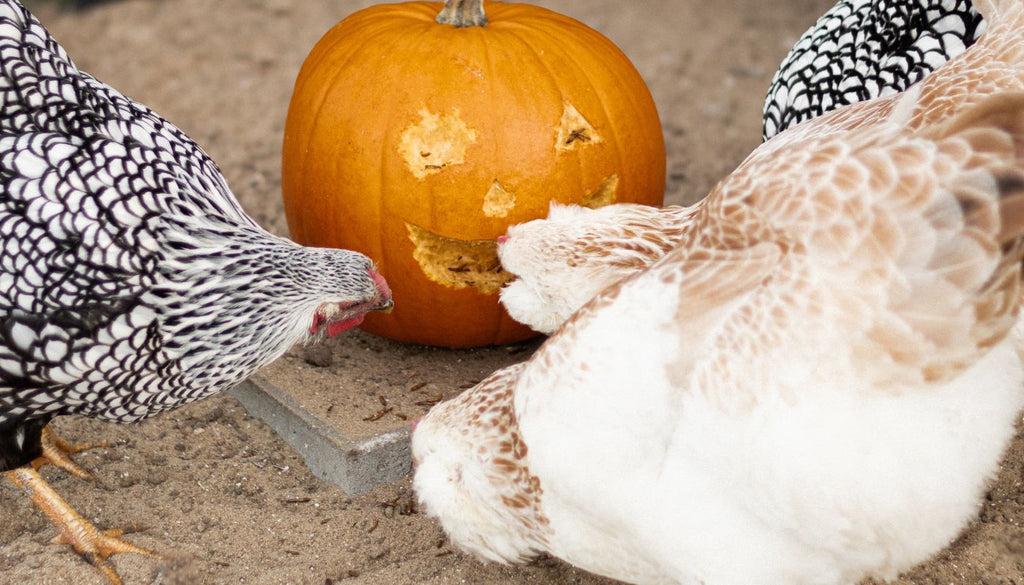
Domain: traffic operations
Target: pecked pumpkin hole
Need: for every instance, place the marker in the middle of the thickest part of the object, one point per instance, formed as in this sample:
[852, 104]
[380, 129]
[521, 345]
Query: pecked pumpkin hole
[605, 194]
[573, 130]
[498, 201]
[458, 263]
[434, 142]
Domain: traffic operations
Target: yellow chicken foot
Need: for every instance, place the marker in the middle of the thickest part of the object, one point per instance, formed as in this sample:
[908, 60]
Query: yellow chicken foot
[92, 544]
[57, 452]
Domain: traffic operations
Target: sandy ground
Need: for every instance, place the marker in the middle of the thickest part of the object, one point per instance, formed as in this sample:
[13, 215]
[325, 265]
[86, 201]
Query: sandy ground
[219, 493]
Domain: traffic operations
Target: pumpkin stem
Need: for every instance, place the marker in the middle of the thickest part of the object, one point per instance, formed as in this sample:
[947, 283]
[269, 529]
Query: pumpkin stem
[462, 13]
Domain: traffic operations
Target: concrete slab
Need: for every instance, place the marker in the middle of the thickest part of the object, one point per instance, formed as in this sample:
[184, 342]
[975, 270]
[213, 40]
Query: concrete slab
[346, 404]
[356, 465]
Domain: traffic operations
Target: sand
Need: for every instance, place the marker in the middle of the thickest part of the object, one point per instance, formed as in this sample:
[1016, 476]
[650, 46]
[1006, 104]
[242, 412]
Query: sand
[222, 496]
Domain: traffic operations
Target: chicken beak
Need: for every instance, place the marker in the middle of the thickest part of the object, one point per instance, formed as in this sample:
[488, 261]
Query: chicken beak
[386, 307]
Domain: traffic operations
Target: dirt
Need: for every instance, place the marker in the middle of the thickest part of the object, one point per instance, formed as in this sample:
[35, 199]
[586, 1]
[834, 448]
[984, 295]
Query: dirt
[222, 496]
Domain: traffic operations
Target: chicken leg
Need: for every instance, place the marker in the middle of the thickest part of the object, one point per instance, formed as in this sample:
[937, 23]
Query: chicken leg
[57, 452]
[92, 544]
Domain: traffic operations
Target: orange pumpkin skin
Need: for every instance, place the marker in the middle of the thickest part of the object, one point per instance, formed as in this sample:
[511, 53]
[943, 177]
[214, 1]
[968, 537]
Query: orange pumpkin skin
[398, 121]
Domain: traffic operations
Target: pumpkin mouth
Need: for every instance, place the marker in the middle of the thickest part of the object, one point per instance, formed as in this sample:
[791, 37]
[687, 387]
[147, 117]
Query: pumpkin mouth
[458, 263]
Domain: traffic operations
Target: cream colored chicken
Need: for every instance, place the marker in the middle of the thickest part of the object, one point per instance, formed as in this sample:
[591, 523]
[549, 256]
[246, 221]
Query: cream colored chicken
[812, 388]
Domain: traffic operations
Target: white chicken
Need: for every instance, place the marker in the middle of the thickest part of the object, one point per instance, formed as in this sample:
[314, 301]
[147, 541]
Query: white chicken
[812, 388]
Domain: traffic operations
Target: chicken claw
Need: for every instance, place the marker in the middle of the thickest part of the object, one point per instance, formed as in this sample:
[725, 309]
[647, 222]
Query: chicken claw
[91, 543]
[58, 452]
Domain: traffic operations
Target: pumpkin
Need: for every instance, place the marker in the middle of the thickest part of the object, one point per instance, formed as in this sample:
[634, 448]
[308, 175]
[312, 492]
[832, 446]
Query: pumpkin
[417, 133]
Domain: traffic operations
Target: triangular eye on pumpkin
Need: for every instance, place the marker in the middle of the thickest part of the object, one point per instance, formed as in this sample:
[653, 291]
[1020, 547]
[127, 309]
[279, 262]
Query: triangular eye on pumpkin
[574, 131]
[410, 131]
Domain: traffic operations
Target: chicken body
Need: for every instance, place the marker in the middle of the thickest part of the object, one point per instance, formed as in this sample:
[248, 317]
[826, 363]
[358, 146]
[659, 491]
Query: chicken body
[812, 388]
[134, 282]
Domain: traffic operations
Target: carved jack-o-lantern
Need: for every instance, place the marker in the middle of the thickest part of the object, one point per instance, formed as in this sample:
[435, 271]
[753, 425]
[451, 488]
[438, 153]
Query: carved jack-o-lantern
[418, 141]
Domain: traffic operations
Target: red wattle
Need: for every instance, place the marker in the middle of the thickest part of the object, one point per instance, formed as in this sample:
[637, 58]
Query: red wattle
[339, 327]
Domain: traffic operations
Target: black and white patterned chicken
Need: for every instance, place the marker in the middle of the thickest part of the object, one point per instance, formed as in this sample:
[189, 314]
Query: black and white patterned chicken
[863, 49]
[133, 281]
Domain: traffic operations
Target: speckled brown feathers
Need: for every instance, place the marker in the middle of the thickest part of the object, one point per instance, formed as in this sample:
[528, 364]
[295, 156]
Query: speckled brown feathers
[500, 469]
[911, 242]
